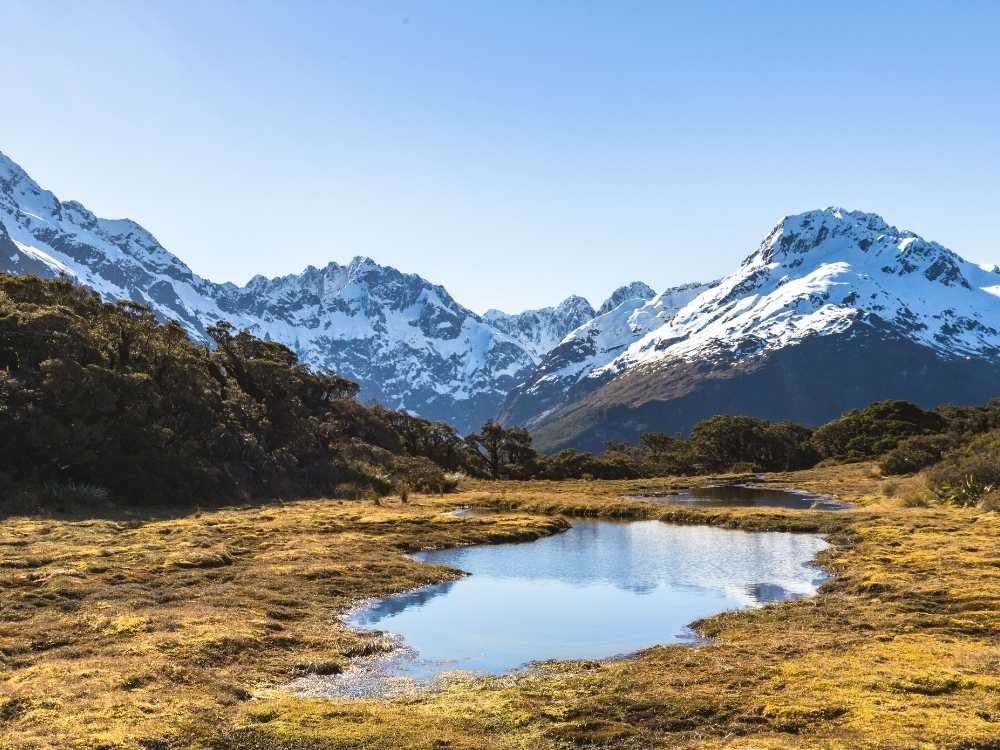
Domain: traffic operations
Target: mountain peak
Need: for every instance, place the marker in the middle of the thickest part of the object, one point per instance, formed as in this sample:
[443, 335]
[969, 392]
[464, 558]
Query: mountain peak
[576, 305]
[633, 290]
[865, 240]
[827, 272]
[797, 234]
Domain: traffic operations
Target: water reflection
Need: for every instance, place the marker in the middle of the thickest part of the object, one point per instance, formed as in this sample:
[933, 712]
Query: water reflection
[383, 608]
[597, 590]
[741, 495]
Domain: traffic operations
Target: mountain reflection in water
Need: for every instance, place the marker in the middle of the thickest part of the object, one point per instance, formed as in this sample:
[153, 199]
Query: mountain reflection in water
[744, 496]
[597, 590]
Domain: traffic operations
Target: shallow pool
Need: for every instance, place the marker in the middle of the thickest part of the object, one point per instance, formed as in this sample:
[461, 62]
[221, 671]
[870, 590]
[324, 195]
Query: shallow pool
[746, 496]
[598, 590]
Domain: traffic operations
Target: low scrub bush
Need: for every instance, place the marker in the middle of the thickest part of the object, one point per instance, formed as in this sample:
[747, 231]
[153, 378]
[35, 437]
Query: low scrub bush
[990, 501]
[572, 464]
[71, 494]
[875, 430]
[722, 443]
[916, 453]
[420, 474]
[968, 474]
[51, 496]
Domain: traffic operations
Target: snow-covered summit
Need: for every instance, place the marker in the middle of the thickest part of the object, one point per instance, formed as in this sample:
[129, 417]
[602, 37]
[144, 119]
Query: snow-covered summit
[833, 310]
[822, 272]
[635, 290]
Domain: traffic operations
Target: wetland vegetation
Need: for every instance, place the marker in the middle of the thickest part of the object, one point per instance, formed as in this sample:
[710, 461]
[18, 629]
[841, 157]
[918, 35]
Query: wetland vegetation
[179, 631]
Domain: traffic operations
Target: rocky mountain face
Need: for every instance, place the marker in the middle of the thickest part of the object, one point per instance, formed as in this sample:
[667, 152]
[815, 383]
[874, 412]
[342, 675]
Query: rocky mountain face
[834, 309]
[631, 312]
[538, 331]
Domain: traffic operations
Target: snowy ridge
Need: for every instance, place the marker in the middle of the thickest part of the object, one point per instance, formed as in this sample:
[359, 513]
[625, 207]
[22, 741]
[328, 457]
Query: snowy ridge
[635, 291]
[406, 341]
[538, 331]
[594, 344]
[117, 258]
[821, 273]
[599, 341]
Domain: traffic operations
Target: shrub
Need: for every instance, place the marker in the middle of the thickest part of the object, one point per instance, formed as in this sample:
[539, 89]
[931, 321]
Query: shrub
[914, 500]
[722, 442]
[874, 430]
[420, 474]
[454, 479]
[65, 495]
[990, 501]
[572, 464]
[915, 453]
[971, 420]
[968, 473]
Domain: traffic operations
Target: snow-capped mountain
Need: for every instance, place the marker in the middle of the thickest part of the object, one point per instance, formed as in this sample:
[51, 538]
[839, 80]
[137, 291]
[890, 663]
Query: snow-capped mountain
[819, 273]
[631, 312]
[540, 330]
[118, 258]
[404, 340]
[834, 309]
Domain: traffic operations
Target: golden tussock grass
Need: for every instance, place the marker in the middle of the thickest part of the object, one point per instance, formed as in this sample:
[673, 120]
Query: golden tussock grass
[178, 632]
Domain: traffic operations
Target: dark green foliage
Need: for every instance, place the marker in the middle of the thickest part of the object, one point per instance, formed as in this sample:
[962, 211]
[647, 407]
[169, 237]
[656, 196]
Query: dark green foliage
[718, 444]
[971, 420]
[906, 437]
[915, 453]
[503, 453]
[722, 442]
[436, 441]
[876, 429]
[968, 473]
[103, 396]
[571, 464]
[663, 455]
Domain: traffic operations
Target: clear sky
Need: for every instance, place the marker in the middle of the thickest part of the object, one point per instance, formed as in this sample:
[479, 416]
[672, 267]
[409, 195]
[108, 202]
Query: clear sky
[515, 151]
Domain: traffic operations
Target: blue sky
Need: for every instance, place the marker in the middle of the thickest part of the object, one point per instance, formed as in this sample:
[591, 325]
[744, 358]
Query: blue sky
[514, 151]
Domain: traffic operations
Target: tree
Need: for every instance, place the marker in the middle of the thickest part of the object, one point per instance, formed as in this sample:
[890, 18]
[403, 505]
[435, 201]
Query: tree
[504, 453]
[488, 444]
[874, 430]
[721, 442]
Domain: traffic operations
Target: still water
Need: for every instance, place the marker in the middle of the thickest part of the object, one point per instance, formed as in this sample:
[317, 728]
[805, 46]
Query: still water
[597, 590]
[741, 495]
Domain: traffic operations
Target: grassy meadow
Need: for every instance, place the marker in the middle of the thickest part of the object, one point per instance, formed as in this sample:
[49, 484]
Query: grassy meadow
[149, 632]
